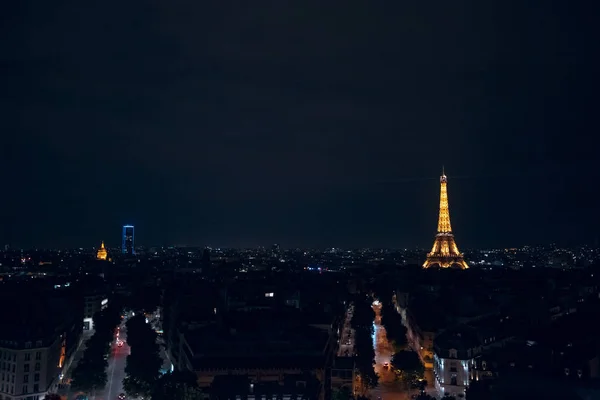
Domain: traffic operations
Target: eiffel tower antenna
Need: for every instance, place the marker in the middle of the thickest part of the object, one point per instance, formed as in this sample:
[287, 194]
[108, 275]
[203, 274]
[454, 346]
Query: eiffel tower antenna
[444, 253]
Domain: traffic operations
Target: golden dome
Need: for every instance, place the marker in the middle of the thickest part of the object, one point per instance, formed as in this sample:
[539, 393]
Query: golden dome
[102, 254]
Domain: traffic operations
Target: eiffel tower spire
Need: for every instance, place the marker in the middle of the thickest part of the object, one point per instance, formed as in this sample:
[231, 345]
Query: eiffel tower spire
[445, 251]
[444, 217]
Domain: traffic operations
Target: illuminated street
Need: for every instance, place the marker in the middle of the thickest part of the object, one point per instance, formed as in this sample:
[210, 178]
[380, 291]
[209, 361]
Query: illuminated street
[389, 388]
[116, 369]
[115, 372]
[346, 346]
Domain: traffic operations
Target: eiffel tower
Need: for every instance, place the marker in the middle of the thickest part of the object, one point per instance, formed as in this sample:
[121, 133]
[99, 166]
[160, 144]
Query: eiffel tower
[444, 253]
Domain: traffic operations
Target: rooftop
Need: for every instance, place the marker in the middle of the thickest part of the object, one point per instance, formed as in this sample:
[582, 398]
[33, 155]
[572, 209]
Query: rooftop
[461, 338]
[257, 338]
[303, 386]
[33, 319]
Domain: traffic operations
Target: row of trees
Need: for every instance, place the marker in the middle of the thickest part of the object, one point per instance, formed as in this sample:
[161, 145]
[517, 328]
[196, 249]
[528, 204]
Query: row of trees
[408, 367]
[395, 330]
[177, 385]
[143, 378]
[90, 373]
[405, 363]
[425, 396]
[410, 370]
[362, 323]
[144, 362]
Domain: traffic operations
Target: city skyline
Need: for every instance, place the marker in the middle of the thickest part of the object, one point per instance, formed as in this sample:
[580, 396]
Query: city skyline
[327, 130]
[255, 244]
[316, 200]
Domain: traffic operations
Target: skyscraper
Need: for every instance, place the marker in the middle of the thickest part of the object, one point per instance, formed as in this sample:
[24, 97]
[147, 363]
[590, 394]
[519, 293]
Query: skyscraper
[128, 240]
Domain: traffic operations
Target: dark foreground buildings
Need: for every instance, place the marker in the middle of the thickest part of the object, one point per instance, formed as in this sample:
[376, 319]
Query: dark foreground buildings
[506, 335]
[37, 339]
[256, 339]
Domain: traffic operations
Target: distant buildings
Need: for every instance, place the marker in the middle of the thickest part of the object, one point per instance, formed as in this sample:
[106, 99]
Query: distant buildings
[206, 258]
[128, 240]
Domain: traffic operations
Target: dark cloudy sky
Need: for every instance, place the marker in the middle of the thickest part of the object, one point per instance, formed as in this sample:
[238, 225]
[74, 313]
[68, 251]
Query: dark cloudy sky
[307, 123]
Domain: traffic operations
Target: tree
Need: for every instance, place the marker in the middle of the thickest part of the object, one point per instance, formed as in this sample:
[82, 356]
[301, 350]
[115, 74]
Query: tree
[408, 366]
[478, 390]
[145, 299]
[362, 323]
[135, 387]
[424, 396]
[139, 333]
[383, 287]
[144, 362]
[177, 385]
[370, 378]
[363, 315]
[393, 324]
[96, 349]
[89, 377]
[107, 320]
[343, 393]
[90, 373]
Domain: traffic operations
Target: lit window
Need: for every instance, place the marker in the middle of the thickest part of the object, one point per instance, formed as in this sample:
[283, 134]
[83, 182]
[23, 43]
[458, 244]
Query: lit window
[269, 294]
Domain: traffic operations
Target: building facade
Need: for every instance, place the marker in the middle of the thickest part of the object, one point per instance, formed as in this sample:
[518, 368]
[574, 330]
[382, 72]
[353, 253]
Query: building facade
[93, 303]
[128, 240]
[35, 348]
[454, 354]
[30, 368]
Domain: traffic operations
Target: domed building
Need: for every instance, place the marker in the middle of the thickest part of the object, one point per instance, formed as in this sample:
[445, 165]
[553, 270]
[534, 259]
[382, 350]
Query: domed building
[102, 254]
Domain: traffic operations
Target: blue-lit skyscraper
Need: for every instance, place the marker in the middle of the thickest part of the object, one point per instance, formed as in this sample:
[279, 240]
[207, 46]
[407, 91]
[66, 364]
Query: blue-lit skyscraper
[128, 240]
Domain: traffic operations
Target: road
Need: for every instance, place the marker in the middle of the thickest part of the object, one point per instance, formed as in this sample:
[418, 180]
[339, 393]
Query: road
[389, 388]
[116, 368]
[167, 366]
[115, 372]
[346, 345]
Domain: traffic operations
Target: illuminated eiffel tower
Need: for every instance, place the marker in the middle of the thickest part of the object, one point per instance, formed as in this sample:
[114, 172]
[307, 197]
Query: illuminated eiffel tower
[445, 252]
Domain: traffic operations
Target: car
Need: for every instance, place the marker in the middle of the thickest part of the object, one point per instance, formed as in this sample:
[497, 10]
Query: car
[121, 396]
[386, 364]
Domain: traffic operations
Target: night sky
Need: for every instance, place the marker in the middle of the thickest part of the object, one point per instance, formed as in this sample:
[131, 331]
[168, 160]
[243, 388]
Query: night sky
[309, 123]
